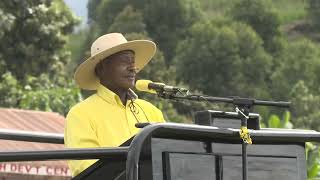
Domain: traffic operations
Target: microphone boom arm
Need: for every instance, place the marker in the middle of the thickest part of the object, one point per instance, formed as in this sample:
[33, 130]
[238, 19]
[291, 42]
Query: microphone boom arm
[237, 101]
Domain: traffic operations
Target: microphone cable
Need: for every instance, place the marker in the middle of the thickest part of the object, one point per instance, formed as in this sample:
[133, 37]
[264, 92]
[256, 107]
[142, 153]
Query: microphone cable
[135, 110]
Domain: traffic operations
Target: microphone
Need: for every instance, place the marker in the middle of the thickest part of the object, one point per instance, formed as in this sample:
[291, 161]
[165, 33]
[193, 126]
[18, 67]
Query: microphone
[152, 87]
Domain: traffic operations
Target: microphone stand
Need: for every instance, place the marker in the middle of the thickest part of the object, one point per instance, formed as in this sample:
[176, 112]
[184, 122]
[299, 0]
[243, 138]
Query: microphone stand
[242, 107]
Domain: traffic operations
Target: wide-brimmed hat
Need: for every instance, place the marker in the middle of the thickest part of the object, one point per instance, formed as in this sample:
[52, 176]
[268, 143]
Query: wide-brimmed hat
[105, 46]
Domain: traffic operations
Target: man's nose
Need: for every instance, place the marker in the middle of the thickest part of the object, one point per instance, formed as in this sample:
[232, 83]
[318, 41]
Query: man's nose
[132, 67]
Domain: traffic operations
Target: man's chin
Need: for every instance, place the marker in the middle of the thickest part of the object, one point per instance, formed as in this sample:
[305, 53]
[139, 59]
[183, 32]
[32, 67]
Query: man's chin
[129, 84]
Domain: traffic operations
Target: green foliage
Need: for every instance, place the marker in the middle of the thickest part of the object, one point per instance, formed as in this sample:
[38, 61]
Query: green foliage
[104, 11]
[92, 10]
[223, 59]
[41, 94]
[10, 90]
[286, 120]
[38, 93]
[33, 35]
[168, 20]
[34, 38]
[298, 62]
[296, 78]
[128, 21]
[306, 107]
[275, 122]
[313, 161]
[261, 17]
[313, 9]
[288, 10]
[6, 22]
[78, 46]
[216, 8]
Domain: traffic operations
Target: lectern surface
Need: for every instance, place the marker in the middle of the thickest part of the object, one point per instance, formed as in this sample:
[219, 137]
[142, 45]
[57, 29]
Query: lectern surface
[182, 152]
[175, 160]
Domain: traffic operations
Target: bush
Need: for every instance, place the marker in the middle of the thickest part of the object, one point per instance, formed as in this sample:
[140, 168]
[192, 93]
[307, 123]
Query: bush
[261, 17]
[313, 9]
[223, 59]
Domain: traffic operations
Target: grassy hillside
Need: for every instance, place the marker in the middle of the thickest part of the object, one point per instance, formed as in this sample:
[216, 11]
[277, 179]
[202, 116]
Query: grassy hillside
[292, 14]
[288, 10]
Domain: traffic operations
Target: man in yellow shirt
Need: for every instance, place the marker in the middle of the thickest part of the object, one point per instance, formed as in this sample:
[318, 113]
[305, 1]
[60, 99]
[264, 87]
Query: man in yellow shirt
[108, 118]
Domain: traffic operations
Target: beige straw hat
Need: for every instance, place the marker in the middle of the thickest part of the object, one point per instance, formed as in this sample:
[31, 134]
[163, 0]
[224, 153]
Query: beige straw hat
[105, 46]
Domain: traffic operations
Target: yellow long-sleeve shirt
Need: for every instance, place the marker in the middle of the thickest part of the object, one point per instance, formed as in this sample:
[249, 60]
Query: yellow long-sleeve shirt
[103, 121]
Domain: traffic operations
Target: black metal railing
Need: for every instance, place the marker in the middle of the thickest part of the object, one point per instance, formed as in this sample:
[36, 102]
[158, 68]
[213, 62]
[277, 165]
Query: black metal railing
[29, 136]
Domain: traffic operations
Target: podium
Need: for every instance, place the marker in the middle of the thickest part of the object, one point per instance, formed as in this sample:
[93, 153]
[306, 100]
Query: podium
[170, 151]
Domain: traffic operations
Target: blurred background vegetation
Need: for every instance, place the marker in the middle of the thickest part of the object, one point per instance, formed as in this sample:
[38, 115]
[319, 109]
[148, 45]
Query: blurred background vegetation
[266, 49]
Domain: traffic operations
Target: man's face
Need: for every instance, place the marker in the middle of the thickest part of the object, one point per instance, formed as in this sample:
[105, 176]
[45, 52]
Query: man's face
[118, 70]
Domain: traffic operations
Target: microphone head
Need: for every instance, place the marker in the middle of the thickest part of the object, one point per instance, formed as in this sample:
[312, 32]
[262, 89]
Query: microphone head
[143, 85]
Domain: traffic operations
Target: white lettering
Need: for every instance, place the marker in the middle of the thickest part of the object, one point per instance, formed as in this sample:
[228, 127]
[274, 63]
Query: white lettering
[3, 167]
[34, 169]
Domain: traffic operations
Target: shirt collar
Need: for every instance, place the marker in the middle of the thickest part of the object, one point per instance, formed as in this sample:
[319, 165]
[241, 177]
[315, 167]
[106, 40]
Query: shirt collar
[112, 97]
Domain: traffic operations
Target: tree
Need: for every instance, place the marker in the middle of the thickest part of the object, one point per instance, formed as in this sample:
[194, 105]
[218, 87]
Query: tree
[10, 91]
[33, 41]
[313, 9]
[38, 93]
[313, 160]
[128, 21]
[223, 58]
[103, 12]
[92, 10]
[306, 107]
[299, 61]
[296, 79]
[262, 18]
[274, 121]
[33, 36]
[168, 20]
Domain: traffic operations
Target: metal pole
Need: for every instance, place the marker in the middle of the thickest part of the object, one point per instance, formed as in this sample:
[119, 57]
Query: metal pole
[29, 136]
[75, 154]
[244, 161]
[245, 136]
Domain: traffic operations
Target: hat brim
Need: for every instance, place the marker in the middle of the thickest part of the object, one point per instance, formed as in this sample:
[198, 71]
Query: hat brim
[85, 75]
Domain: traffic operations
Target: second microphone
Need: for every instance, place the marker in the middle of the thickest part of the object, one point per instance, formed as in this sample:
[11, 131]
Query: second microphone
[154, 88]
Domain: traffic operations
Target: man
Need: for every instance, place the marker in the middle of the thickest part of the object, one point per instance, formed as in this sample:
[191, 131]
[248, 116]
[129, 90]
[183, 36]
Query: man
[108, 118]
